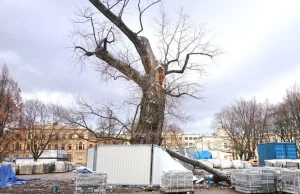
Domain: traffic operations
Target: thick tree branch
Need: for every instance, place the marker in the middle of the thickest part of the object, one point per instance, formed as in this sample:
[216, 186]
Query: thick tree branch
[185, 62]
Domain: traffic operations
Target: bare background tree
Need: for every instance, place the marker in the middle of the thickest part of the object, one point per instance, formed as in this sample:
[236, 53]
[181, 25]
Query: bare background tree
[286, 117]
[108, 128]
[172, 137]
[41, 125]
[99, 33]
[10, 109]
[246, 123]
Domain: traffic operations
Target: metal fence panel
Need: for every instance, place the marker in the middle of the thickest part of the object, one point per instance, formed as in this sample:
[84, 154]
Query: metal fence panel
[125, 164]
[90, 158]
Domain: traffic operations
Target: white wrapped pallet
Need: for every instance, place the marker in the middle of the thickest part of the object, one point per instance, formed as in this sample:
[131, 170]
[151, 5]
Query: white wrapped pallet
[254, 181]
[177, 181]
[290, 180]
[293, 164]
[60, 166]
[237, 164]
[225, 164]
[270, 163]
[281, 163]
[47, 168]
[217, 163]
[25, 168]
[37, 168]
[247, 164]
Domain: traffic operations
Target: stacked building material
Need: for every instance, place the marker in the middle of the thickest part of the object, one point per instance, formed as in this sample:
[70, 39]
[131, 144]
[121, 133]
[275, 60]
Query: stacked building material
[290, 181]
[293, 164]
[47, 168]
[270, 163]
[95, 183]
[177, 181]
[254, 181]
[234, 174]
[25, 168]
[280, 163]
[60, 167]
[37, 168]
[237, 164]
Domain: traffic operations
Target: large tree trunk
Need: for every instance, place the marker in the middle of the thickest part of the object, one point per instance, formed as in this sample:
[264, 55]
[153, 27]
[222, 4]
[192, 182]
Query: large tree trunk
[220, 175]
[152, 110]
[150, 124]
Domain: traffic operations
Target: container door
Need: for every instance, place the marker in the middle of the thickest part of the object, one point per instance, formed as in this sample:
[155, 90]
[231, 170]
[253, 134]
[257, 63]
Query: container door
[291, 151]
[280, 151]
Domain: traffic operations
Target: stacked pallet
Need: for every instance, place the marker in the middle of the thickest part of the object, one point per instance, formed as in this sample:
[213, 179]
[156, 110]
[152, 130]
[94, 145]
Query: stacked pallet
[177, 181]
[234, 175]
[290, 181]
[60, 166]
[293, 164]
[270, 163]
[37, 168]
[95, 183]
[25, 168]
[254, 181]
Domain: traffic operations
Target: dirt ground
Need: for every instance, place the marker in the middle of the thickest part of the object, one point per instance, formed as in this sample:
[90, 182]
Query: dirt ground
[67, 186]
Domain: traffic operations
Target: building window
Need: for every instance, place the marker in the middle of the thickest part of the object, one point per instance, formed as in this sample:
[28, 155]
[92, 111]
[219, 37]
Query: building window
[190, 144]
[70, 136]
[186, 144]
[195, 138]
[180, 138]
[17, 145]
[27, 156]
[186, 138]
[190, 138]
[225, 145]
[16, 156]
[49, 146]
[70, 146]
[56, 146]
[18, 135]
[28, 146]
[91, 145]
[79, 157]
[62, 146]
[80, 146]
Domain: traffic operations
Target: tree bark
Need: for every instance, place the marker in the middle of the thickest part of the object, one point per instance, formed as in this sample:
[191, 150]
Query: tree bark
[150, 124]
[220, 175]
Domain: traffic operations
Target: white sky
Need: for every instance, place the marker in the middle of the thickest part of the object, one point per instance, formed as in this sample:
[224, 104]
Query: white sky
[260, 39]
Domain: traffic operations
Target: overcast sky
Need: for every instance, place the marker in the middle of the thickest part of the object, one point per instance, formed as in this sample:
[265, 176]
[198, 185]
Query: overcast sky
[260, 40]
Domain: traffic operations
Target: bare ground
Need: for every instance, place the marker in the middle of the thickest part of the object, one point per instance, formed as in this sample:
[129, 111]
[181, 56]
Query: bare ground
[67, 186]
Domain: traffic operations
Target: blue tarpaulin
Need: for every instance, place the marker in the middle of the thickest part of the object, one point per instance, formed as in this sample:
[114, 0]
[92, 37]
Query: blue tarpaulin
[202, 155]
[8, 177]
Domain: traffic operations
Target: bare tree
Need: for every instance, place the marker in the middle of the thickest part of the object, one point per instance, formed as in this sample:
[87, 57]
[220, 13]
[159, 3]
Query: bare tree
[109, 128]
[246, 123]
[41, 125]
[172, 137]
[10, 109]
[286, 116]
[157, 79]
